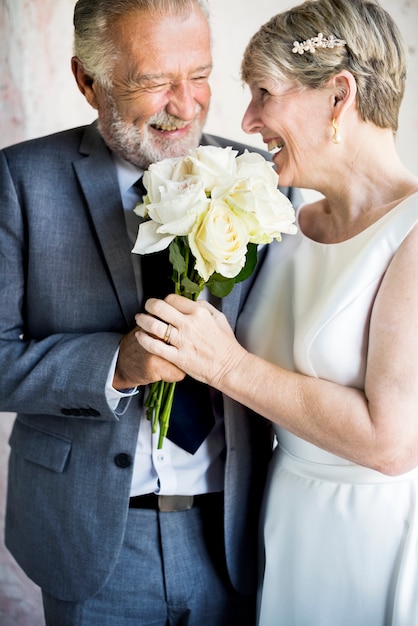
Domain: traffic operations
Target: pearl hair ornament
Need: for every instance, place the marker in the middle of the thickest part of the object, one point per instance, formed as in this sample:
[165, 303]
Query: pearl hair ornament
[299, 47]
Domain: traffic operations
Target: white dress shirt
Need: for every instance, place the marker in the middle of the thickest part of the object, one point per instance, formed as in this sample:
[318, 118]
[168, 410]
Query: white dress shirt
[171, 470]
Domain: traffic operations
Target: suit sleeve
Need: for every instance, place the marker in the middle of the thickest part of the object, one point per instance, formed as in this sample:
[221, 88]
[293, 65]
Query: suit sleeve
[59, 372]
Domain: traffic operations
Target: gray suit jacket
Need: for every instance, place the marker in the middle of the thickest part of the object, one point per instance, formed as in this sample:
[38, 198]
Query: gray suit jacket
[67, 294]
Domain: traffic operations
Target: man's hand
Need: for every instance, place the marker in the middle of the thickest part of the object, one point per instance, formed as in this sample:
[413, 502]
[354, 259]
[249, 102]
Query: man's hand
[135, 366]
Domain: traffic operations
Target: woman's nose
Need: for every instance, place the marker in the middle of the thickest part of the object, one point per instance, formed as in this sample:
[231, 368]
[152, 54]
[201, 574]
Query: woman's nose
[251, 123]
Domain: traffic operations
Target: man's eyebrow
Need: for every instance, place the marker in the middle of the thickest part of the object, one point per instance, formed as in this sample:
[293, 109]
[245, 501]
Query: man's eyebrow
[138, 79]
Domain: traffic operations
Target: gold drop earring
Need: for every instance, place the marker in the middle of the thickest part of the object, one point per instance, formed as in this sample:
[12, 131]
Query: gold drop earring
[336, 137]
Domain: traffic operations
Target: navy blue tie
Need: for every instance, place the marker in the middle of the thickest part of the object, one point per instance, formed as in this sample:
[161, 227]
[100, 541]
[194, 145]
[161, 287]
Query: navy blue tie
[192, 416]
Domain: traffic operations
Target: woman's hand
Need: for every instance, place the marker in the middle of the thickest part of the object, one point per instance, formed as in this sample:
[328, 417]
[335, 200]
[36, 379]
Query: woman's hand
[194, 336]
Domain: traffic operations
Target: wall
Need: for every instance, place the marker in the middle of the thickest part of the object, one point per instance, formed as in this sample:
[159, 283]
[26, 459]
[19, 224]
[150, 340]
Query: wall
[38, 95]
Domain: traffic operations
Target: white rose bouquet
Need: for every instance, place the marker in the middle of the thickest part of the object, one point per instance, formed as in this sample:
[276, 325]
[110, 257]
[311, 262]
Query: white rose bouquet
[212, 208]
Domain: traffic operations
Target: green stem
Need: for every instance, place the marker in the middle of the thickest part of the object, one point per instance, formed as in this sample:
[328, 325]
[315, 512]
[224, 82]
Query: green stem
[159, 402]
[166, 412]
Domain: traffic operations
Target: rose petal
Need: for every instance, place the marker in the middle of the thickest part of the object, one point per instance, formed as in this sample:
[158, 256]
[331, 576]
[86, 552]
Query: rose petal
[150, 240]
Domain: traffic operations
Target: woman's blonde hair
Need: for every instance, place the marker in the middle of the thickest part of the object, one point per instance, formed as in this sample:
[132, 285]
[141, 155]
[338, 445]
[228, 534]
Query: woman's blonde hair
[374, 53]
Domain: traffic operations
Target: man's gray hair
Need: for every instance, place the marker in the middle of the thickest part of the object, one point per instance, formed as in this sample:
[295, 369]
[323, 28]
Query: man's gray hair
[92, 44]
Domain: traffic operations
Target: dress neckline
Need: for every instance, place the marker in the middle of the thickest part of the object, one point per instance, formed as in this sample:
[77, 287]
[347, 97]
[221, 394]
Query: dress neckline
[362, 233]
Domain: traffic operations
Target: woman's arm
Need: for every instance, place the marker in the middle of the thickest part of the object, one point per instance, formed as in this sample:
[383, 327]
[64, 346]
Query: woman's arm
[377, 428]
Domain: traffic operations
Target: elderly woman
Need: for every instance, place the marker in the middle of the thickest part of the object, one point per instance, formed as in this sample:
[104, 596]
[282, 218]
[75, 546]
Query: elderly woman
[328, 338]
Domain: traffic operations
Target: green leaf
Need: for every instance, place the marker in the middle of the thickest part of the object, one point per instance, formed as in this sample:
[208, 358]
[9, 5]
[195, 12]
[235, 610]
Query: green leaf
[250, 263]
[220, 286]
[188, 287]
[176, 257]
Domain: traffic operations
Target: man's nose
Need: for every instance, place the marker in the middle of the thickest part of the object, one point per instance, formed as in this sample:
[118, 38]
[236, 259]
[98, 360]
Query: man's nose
[181, 101]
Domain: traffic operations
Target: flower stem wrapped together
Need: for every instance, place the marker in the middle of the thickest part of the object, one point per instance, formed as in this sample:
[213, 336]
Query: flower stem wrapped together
[188, 283]
[161, 396]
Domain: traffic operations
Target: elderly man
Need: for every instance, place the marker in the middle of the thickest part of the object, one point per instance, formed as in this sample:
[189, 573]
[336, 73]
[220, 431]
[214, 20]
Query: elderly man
[114, 530]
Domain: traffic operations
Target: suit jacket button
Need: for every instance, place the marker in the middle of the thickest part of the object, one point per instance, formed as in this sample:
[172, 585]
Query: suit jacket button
[123, 460]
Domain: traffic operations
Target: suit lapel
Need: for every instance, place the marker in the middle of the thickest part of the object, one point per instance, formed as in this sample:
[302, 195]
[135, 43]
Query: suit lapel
[103, 200]
[232, 304]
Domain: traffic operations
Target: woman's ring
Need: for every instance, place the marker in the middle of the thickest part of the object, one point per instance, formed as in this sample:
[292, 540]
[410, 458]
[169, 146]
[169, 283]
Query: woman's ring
[168, 334]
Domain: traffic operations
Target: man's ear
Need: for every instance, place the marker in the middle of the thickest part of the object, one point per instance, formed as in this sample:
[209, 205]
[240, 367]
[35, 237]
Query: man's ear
[84, 82]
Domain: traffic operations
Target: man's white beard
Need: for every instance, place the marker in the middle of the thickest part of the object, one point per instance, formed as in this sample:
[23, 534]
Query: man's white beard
[142, 147]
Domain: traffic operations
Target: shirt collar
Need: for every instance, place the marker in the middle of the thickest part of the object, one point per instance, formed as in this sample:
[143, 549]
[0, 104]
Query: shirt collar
[127, 173]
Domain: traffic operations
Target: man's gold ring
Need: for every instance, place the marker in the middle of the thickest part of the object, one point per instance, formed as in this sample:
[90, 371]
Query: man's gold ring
[168, 333]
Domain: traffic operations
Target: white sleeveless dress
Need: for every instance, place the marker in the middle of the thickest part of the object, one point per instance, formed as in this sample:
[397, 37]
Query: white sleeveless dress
[340, 540]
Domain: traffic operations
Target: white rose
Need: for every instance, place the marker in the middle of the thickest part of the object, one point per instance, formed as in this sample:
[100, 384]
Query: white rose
[275, 215]
[245, 206]
[215, 166]
[158, 177]
[176, 212]
[255, 197]
[253, 165]
[219, 242]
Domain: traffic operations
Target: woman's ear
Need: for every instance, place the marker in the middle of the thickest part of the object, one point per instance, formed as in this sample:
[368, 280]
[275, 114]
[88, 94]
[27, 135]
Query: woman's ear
[344, 88]
[84, 82]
